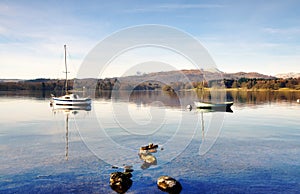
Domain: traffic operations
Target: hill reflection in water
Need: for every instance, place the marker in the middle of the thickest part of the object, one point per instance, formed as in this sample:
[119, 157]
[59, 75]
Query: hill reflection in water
[183, 98]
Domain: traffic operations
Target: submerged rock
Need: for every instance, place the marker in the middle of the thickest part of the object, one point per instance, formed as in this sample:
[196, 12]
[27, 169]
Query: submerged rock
[128, 168]
[169, 184]
[120, 182]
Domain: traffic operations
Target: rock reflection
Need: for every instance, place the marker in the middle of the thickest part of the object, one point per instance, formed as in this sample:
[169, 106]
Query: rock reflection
[241, 98]
[148, 97]
[145, 155]
[148, 159]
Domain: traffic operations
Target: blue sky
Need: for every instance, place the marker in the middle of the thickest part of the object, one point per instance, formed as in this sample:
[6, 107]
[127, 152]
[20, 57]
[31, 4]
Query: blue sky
[261, 36]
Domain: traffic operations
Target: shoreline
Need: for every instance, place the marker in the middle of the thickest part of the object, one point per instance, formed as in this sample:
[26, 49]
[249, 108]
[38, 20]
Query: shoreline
[245, 90]
[193, 89]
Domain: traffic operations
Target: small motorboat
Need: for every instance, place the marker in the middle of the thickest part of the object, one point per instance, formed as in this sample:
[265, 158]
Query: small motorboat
[208, 105]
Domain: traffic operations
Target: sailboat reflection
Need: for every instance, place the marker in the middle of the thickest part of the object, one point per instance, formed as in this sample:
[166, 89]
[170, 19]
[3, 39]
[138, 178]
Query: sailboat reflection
[67, 112]
[202, 111]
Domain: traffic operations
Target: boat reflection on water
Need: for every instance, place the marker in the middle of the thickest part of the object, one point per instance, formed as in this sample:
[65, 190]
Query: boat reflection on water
[202, 111]
[69, 108]
[67, 111]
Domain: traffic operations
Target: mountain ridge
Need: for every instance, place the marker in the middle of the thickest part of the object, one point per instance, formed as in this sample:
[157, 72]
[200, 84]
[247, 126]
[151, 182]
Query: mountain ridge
[198, 75]
[288, 75]
[193, 75]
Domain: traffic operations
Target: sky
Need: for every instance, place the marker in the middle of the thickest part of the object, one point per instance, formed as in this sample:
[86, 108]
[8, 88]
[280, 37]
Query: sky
[240, 35]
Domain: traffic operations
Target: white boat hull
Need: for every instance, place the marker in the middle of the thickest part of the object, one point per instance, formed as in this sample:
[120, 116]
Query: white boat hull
[70, 100]
[61, 102]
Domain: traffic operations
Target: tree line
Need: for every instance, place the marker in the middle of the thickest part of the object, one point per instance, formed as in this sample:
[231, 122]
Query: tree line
[38, 84]
[272, 84]
[115, 84]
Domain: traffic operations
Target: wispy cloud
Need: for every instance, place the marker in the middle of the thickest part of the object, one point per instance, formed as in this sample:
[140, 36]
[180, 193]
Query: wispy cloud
[32, 39]
[173, 7]
[6, 9]
[190, 6]
[3, 30]
[281, 30]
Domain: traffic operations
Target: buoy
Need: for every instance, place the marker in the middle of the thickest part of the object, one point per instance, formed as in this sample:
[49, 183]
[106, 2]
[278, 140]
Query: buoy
[189, 107]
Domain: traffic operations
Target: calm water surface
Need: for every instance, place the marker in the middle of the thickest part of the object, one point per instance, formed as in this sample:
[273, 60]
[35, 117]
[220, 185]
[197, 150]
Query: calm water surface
[257, 150]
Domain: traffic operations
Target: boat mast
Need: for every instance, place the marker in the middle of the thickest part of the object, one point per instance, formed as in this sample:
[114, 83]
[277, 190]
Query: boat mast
[66, 84]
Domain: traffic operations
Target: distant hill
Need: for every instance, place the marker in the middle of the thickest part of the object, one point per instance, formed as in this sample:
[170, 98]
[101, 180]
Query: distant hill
[193, 76]
[10, 80]
[188, 79]
[288, 75]
[176, 76]
[168, 81]
[250, 75]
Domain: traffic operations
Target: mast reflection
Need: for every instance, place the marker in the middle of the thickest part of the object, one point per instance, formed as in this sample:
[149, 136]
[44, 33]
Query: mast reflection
[202, 111]
[67, 111]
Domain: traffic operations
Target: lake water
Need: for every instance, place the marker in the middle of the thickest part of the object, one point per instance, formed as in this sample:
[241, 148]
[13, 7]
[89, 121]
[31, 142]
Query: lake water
[254, 149]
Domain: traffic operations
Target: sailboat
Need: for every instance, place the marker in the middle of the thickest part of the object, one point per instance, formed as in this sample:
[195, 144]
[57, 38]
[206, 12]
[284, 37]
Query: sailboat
[214, 106]
[69, 100]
